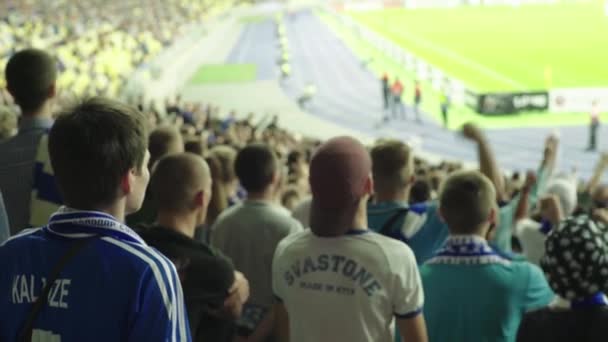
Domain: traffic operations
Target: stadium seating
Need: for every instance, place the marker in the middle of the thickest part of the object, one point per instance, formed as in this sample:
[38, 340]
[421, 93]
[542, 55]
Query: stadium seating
[399, 194]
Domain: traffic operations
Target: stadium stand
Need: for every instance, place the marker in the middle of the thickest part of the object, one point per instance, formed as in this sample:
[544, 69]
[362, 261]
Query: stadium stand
[337, 239]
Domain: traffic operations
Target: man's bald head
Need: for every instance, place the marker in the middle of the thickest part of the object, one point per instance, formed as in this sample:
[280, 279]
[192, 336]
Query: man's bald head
[178, 179]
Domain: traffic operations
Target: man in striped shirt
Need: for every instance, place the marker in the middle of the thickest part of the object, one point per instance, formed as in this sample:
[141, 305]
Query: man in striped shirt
[86, 276]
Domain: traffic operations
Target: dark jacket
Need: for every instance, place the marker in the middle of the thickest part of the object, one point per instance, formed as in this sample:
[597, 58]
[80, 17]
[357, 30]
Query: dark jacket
[206, 278]
[552, 325]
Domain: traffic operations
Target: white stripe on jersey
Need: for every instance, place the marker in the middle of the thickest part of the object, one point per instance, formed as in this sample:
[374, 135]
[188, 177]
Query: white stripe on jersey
[182, 321]
[71, 235]
[170, 303]
[21, 234]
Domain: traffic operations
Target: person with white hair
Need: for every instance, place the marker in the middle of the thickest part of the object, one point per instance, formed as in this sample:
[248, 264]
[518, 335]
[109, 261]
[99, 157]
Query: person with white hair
[558, 203]
[576, 266]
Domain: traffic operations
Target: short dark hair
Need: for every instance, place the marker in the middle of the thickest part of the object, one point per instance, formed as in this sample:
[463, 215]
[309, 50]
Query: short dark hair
[226, 157]
[420, 191]
[176, 180]
[92, 146]
[195, 146]
[466, 200]
[255, 166]
[30, 74]
[161, 142]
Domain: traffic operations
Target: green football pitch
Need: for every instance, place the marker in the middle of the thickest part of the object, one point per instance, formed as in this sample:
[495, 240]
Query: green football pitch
[531, 47]
[224, 73]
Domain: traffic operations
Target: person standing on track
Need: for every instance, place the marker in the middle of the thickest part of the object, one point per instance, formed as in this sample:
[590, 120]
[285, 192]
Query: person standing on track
[397, 92]
[594, 125]
[417, 99]
[386, 95]
[445, 106]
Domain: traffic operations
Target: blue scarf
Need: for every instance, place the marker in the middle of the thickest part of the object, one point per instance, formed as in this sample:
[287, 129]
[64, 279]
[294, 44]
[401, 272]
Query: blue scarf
[598, 299]
[70, 223]
[469, 250]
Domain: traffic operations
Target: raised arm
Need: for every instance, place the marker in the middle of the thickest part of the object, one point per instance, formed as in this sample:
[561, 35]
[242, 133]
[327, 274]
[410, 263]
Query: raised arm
[550, 153]
[523, 207]
[535, 186]
[487, 162]
[600, 168]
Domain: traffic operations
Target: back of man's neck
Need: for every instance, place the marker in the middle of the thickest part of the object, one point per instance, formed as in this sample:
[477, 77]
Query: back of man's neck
[264, 196]
[44, 112]
[181, 223]
[391, 197]
[116, 210]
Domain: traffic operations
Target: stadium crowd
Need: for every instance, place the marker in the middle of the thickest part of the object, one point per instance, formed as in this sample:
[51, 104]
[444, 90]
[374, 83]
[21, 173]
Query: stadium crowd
[186, 223]
[98, 44]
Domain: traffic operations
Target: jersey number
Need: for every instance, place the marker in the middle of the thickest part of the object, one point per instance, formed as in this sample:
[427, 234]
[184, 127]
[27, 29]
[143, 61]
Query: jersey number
[44, 336]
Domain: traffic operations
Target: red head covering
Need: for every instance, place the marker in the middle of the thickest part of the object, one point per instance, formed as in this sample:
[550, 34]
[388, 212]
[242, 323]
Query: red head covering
[338, 172]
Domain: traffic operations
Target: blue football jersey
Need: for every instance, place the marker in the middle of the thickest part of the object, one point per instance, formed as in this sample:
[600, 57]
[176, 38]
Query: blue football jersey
[116, 288]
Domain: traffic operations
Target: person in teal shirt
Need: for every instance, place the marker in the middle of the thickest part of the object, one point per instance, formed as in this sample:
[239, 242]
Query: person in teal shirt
[474, 292]
[419, 225]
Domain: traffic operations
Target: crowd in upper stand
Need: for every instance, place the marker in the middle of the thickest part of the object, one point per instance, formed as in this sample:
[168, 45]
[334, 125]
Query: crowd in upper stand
[98, 44]
[189, 223]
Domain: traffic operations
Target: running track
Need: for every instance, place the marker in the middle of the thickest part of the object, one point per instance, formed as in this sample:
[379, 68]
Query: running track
[349, 95]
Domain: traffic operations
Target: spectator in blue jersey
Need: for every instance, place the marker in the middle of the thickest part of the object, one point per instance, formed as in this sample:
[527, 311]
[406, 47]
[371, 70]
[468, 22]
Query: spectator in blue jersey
[86, 276]
[213, 291]
[473, 292]
[249, 232]
[337, 281]
[576, 264]
[30, 78]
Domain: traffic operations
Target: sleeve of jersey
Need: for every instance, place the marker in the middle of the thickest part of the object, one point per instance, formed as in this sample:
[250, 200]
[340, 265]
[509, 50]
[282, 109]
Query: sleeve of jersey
[407, 293]
[538, 294]
[277, 279]
[160, 312]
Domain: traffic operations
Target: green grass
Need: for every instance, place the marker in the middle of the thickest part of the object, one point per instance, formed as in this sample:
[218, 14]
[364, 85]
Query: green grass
[228, 73]
[254, 19]
[459, 115]
[505, 48]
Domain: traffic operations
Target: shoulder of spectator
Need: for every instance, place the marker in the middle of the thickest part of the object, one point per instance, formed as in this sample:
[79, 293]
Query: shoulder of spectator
[536, 284]
[395, 251]
[20, 238]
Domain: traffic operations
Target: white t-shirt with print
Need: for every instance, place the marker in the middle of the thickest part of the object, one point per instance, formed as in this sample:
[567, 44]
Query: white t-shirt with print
[347, 288]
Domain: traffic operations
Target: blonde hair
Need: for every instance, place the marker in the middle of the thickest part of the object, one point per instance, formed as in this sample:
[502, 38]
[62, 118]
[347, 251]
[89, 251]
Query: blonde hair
[392, 165]
[466, 200]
